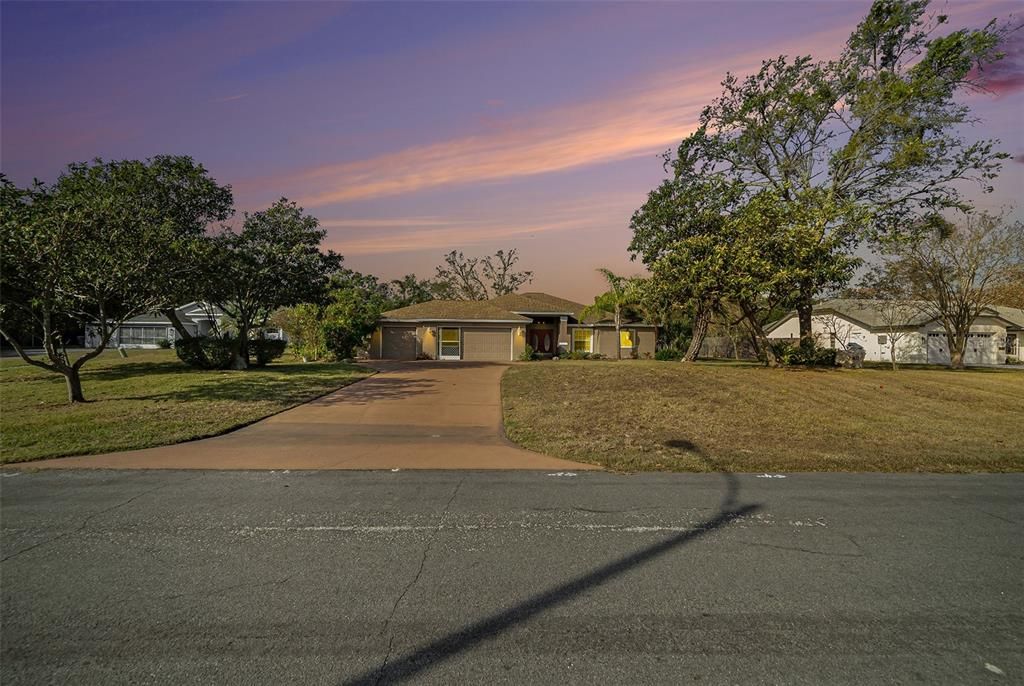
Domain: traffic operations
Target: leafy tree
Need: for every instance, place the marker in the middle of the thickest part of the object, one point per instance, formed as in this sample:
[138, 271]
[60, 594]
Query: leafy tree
[707, 245]
[852, 149]
[184, 195]
[97, 247]
[409, 290]
[479, 278]
[348, 321]
[623, 293]
[304, 328]
[956, 270]
[274, 261]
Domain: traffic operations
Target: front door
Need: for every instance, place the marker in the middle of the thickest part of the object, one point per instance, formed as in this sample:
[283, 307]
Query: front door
[542, 341]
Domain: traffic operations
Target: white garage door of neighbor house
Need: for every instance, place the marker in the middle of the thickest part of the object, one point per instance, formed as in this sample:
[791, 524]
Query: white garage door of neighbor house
[398, 343]
[490, 345]
[981, 349]
[937, 351]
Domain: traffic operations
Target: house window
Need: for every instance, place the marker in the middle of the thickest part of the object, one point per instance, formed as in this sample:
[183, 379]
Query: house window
[625, 339]
[883, 340]
[582, 340]
[450, 347]
[141, 335]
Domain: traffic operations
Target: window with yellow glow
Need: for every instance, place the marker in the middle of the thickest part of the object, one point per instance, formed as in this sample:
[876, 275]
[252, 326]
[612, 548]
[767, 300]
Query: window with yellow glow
[582, 340]
[625, 339]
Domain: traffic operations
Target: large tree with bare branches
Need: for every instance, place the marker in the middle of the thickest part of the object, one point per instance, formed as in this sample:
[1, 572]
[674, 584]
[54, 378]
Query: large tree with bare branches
[956, 271]
[479, 278]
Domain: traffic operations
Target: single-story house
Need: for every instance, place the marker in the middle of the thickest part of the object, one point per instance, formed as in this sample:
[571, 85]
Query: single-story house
[147, 330]
[994, 335]
[499, 329]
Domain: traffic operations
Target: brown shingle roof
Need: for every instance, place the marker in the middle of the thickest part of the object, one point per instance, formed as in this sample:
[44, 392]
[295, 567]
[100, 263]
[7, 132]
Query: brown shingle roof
[502, 308]
[454, 310]
[536, 303]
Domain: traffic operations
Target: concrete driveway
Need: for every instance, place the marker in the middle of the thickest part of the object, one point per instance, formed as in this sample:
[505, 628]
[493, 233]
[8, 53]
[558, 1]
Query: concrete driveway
[411, 415]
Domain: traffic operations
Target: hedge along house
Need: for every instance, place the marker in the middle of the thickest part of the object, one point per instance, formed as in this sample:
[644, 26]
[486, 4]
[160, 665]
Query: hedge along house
[499, 329]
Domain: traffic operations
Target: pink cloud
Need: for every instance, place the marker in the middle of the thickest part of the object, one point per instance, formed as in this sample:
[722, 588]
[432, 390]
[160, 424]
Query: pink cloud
[1004, 76]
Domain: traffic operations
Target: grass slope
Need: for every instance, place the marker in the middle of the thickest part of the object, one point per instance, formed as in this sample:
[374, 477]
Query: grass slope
[146, 400]
[669, 416]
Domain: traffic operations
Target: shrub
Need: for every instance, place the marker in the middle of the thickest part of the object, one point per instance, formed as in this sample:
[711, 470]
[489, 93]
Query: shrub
[803, 355]
[1013, 359]
[528, 354]
[596, 356]
[164, 343]
[669, 355]
[341, 339]
[577, 355]
[266, 349]
[206, 352]
[305, 333]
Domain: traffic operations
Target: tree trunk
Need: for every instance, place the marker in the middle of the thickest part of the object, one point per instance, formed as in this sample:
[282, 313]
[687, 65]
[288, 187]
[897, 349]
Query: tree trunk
[74, 384]
[618, 334]
[957, 349]
[892, 353]
[757, 331]
[242, 354]
[804, 310]
[700, 331]
[172, 315]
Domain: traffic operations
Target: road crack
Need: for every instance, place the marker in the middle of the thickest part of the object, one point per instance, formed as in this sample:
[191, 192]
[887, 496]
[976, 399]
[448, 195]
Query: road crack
[90, 517]
[419, 572]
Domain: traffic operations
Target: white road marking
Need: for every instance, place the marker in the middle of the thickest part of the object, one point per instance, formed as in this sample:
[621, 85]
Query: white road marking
[771, 476]
[562, 474]
[992, 668]
[611, 528]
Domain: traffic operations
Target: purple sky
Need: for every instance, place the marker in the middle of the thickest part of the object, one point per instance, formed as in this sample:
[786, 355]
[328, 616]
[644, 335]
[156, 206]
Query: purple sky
[414, 129]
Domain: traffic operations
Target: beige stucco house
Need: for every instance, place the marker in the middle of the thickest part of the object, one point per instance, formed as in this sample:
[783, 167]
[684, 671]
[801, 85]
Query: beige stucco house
[499, 330]
[996, 333]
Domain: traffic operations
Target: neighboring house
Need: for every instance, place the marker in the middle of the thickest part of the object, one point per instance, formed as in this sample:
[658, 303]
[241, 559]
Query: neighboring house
[147, 330]
[995, 334]
[499, 329]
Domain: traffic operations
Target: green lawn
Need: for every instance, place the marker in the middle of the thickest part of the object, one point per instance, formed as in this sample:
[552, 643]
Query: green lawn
[670, 416]
[148, 399]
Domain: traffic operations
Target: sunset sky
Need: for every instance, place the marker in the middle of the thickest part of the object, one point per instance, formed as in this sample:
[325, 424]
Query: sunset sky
[414, 129]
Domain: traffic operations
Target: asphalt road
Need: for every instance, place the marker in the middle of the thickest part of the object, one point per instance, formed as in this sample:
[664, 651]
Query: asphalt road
[502, 577]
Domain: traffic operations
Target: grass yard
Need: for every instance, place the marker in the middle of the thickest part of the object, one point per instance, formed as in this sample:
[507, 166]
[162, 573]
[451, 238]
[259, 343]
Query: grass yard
[669, 416]
[146, 400]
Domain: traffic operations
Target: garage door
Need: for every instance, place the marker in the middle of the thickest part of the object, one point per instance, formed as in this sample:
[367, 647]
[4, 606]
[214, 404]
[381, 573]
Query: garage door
[937, 353]
[398, 343]
[487, 344]
[981, 349]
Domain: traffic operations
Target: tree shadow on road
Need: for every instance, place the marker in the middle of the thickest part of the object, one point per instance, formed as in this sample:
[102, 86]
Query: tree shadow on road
[468, 637]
